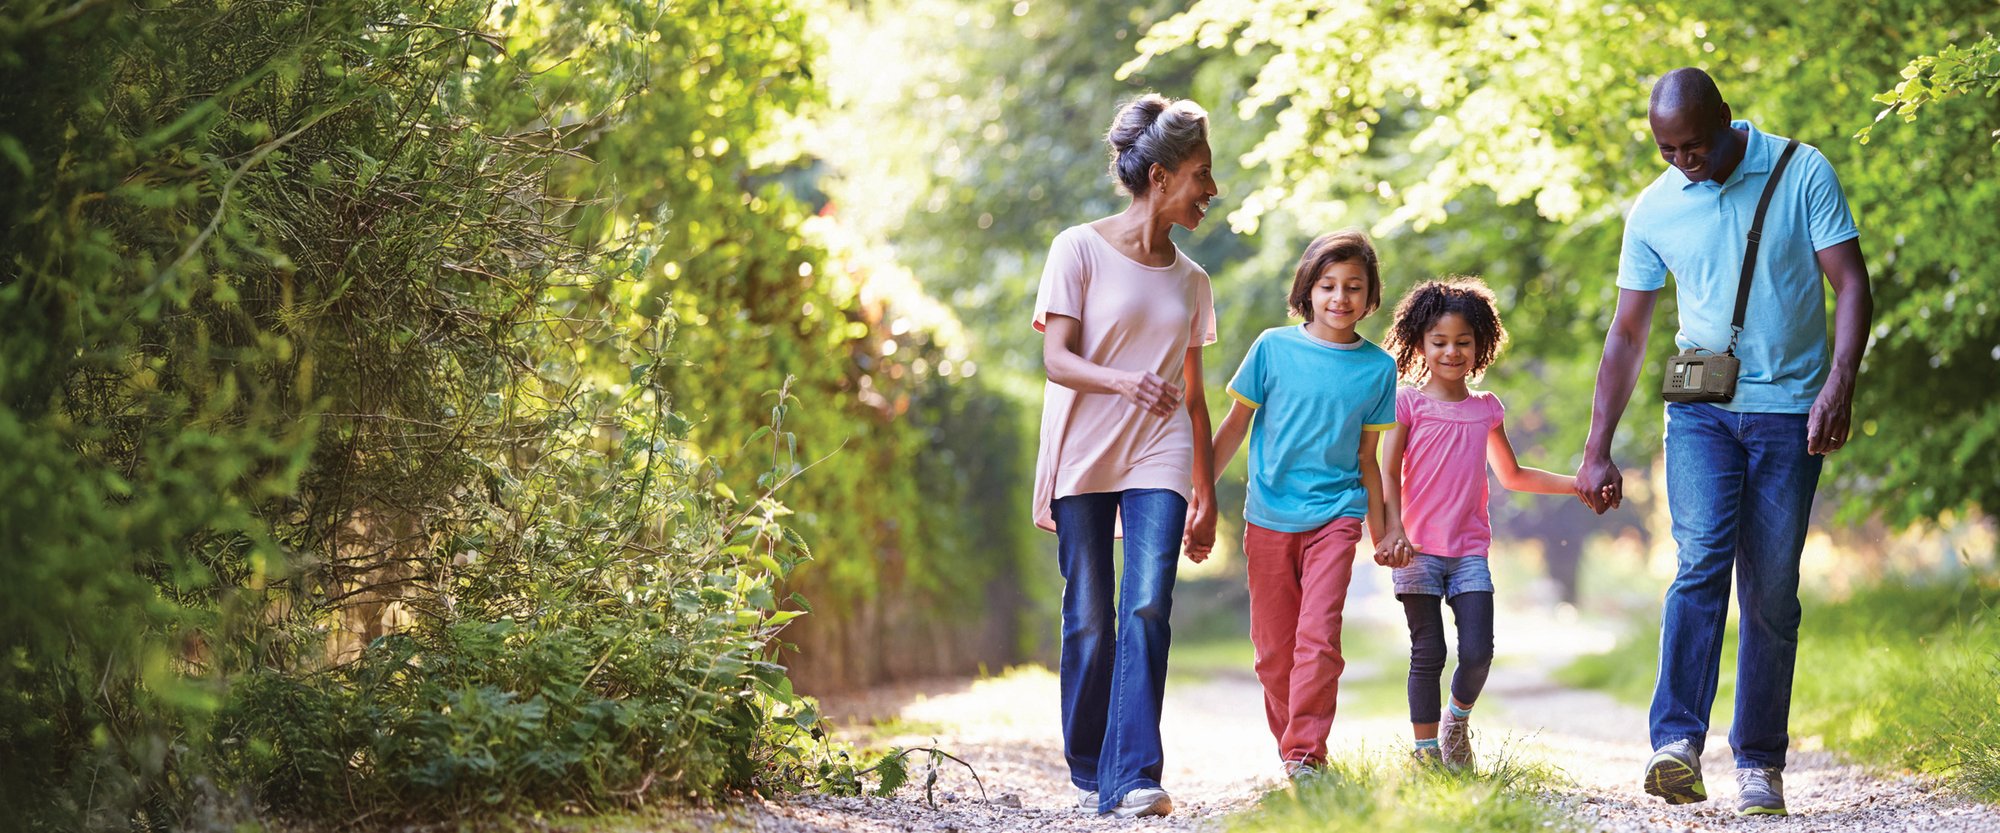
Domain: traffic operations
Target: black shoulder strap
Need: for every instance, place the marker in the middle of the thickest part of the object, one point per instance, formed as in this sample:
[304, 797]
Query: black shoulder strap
[1750, 250]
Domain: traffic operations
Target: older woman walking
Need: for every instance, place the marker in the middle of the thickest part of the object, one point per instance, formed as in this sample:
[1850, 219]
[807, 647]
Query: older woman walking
[1124, 315]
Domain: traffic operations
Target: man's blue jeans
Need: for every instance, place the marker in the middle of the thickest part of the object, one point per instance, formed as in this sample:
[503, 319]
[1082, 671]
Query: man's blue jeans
[1740, 488]
[1113, 678]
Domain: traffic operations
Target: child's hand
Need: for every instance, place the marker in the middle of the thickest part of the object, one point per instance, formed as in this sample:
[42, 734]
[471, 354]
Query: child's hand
[1199, 538]
[1393, 550]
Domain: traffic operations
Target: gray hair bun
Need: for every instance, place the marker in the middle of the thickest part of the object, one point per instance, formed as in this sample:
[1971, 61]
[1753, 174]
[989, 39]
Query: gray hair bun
[1153, 130]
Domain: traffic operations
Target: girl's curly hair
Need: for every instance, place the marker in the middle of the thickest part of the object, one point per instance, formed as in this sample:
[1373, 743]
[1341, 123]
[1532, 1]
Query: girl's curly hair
[1419, 311]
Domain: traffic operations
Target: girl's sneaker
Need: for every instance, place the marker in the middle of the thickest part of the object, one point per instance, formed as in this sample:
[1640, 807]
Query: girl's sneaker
[1144, 801]
[1455, 740]
[1426, 756]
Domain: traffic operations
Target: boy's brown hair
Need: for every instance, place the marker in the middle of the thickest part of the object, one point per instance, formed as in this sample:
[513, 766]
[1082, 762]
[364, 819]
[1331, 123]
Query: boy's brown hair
[1326, 250]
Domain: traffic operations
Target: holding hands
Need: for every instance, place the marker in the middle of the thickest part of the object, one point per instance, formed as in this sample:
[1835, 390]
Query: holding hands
[1199, 538]
[1599, 485]
[1394, 549]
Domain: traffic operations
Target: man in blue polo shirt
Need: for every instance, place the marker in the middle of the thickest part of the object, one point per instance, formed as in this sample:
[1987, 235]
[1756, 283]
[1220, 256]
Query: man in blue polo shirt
[1740, 474]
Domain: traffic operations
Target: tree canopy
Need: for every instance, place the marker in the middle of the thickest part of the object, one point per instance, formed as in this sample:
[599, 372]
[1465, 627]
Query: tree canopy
[1413, 117]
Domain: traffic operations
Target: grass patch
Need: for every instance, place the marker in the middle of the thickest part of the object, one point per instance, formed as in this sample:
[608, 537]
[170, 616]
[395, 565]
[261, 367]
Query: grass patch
[1904, 674]
[1384, 793]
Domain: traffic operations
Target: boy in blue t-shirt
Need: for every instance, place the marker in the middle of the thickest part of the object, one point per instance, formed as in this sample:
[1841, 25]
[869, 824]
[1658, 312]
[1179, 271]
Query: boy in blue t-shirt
[1314, 399]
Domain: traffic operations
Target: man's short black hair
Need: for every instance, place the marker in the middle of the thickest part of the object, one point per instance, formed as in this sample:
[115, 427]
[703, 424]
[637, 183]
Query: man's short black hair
[1689, 90]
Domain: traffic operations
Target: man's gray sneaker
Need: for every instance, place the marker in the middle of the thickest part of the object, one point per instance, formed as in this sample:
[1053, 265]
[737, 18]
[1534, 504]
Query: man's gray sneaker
[1455, 740]
[1144, 801]
[1674, 773]
[1760, 791]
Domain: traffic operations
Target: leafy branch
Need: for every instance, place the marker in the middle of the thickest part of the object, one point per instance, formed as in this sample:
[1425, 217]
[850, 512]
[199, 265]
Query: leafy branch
[1929, 79]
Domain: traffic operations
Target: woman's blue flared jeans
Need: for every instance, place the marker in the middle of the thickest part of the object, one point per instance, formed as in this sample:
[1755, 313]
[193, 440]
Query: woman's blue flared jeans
[1114, 655]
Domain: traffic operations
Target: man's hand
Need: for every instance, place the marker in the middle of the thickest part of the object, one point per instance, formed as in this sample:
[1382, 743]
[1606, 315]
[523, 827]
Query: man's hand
[1600, 485]
[1853, 308]
[1827, 425]
[1199, 538]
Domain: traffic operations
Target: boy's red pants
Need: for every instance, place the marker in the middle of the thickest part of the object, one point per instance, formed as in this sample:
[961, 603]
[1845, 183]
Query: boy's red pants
[1298, 585]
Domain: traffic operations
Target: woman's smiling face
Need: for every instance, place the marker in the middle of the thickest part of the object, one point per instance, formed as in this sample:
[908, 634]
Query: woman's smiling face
[1188, 189]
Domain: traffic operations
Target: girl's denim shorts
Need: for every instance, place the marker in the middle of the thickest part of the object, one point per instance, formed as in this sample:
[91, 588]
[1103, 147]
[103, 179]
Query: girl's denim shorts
[1437, 575]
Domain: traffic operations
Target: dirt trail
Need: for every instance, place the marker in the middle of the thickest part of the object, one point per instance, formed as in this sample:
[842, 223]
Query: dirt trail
[1220, 756]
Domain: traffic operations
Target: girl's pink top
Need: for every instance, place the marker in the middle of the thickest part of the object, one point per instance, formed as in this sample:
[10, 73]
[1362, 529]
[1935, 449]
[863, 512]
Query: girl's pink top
[1444, 471]
[1133, 317]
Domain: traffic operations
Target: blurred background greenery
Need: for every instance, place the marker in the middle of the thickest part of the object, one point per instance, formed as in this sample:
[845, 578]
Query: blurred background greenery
[414, 409]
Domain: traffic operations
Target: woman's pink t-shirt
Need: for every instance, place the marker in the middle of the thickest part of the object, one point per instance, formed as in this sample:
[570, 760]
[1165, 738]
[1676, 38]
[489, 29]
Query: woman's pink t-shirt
[1444, 471]
[1134, 317]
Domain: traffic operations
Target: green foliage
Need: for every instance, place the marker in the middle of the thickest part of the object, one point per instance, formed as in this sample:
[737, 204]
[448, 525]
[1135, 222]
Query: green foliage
[1377, 794]
[1511, 138]
[583, 661]
[1897, 674]
[1928, 79]
[365, 449]
[759, 292]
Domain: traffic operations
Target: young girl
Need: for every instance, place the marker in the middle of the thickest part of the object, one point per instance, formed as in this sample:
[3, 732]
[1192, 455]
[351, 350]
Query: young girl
[1314, 398]
[1445, 334]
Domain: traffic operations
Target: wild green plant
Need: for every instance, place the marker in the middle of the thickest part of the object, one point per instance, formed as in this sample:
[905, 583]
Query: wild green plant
[354, 459]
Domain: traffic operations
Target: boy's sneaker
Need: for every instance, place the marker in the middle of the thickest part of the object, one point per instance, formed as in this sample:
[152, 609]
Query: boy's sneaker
[1760, 791]
[1426, 756]
[1455, 740]
[1300, 770]
[1144, 801]
[1674, 773]
[1086, 800]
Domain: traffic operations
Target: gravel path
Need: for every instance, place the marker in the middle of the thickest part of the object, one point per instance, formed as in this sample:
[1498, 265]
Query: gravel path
[1220, 756]
[1599, 743]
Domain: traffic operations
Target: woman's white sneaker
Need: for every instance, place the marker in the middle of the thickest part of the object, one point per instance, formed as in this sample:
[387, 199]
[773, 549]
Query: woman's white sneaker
[1144, 801]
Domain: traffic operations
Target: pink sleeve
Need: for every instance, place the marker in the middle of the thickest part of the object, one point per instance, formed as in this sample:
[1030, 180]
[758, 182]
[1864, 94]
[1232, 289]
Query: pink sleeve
[1404, 406]
[1063, 280]
[1203, 332]
[1499, 410]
